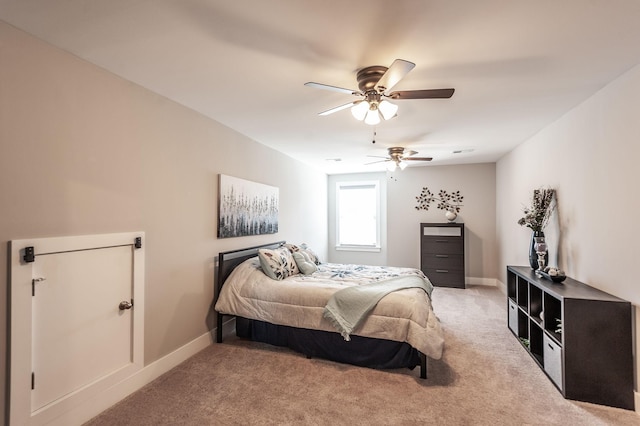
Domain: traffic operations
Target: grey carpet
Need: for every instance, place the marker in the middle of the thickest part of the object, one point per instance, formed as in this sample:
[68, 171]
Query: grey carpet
[484, 378]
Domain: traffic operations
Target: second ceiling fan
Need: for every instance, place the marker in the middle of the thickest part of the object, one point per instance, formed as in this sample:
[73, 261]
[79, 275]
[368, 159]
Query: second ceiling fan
[374, 86]
[397, 158]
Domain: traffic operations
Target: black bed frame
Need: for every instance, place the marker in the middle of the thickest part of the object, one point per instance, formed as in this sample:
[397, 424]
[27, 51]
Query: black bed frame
[229, 260]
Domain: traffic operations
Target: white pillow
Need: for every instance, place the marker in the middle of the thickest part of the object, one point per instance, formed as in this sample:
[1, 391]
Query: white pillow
[303, 248]
[304, 262]
[312, 255]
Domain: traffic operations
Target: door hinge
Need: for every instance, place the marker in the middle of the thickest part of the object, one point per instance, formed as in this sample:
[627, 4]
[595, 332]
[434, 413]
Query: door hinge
[33, 380]
[29, 254]
[137, 243]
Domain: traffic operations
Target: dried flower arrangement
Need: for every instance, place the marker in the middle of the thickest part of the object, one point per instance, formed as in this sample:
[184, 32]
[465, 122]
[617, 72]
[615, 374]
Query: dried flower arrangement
[449, 202]
[536, 217]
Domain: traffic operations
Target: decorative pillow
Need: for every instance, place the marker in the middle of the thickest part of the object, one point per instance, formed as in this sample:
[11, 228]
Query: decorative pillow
[291, 247]
[312, 255]
[277, 264]
[304, 262]
[303, 248]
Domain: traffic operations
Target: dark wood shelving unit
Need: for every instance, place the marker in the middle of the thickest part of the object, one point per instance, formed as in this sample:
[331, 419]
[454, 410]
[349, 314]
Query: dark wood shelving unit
[580, 336]
[442, 253]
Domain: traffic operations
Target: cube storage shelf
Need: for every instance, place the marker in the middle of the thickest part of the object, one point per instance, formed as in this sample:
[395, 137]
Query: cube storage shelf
[580, 336]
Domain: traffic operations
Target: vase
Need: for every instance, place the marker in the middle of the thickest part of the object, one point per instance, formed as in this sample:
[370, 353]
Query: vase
[533, 256]
[451, 215]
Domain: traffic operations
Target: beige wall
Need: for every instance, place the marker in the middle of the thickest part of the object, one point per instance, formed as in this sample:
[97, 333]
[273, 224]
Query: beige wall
[590, 156]
[401, 221]
[476, 183]
[85, 152]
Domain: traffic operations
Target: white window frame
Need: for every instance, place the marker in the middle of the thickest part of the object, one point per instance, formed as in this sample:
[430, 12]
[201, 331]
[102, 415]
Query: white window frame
[376, 247]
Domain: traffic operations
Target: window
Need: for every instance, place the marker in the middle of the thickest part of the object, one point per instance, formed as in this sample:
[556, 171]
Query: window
[358, 216]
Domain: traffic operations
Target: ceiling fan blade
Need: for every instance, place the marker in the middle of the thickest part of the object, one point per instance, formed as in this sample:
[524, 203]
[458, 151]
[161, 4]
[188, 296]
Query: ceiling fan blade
[417, 158]
[339, 108]
[374, 162]
[409, 153]
[422, 94]
[332, 88]
[396, 72]
[377, 156]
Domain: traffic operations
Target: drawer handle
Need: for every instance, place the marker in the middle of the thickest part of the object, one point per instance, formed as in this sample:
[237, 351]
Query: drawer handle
[442, 271]
[550, 347]
[442, 241]
[442, 255]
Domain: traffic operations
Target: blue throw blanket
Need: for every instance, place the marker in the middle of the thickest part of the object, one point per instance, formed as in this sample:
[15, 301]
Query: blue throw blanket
[349, 306]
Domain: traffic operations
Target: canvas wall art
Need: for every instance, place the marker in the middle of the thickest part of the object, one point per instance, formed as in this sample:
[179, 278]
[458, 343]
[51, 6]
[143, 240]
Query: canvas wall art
[246, 208]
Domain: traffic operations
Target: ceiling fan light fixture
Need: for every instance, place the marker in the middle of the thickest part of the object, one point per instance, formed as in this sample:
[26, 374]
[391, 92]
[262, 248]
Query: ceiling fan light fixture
[392, 166]
[359, 110]
[402, 165]
[373, 117]
[374, 84]
[387, 109]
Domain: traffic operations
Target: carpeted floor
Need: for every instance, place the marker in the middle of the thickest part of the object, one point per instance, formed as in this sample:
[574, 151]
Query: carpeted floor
[484, 378]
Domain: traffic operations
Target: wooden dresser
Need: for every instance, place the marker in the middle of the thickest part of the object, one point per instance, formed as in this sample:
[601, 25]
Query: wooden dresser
[442, 253]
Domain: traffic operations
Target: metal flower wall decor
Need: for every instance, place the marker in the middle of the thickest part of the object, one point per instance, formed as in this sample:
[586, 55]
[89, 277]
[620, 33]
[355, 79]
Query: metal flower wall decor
[446, 201]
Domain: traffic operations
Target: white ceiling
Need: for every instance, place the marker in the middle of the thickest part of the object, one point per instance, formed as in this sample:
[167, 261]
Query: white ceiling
[516, 65]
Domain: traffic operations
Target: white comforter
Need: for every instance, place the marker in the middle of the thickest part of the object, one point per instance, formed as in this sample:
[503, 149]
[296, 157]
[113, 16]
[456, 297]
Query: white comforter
[299, 301]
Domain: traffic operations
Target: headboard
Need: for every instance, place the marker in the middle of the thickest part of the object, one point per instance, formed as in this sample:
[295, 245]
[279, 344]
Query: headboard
[227, 261]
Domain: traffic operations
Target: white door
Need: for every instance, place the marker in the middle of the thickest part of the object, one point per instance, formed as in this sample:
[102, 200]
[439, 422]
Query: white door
[70, 340]
[79, 334]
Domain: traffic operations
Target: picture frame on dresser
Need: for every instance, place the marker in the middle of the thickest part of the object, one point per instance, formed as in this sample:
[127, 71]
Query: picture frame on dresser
[442, 253]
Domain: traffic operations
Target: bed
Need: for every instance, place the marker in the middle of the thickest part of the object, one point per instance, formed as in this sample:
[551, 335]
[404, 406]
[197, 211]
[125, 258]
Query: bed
[401, 330]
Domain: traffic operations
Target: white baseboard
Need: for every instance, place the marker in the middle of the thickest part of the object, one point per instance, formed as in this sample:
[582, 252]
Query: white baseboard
[94, 406]
[637, 402]
[481, 281]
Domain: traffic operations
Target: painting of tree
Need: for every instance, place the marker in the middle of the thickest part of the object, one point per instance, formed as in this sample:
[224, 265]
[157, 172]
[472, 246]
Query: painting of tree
[246, 208]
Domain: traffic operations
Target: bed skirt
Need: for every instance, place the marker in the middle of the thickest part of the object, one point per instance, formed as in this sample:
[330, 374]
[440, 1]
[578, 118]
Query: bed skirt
[360, 351]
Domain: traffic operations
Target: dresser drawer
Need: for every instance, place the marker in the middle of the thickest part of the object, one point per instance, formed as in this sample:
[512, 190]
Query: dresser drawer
[445, 277]
[442, 231]
[443, 261]
[442, 245]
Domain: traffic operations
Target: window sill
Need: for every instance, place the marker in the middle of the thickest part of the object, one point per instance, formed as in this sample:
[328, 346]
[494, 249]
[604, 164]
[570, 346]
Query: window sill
[359, 248]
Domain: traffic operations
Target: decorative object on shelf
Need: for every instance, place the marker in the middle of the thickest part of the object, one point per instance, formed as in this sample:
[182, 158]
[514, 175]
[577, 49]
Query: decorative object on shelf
[553, 274]
[540, 247]
[558, 326]
[450, 202]
[536, 217]
[533, 255]
[451, 215]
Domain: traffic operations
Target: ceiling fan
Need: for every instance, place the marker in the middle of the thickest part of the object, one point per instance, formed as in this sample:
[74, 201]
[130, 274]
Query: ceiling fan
[397, 157]
[375, 84]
